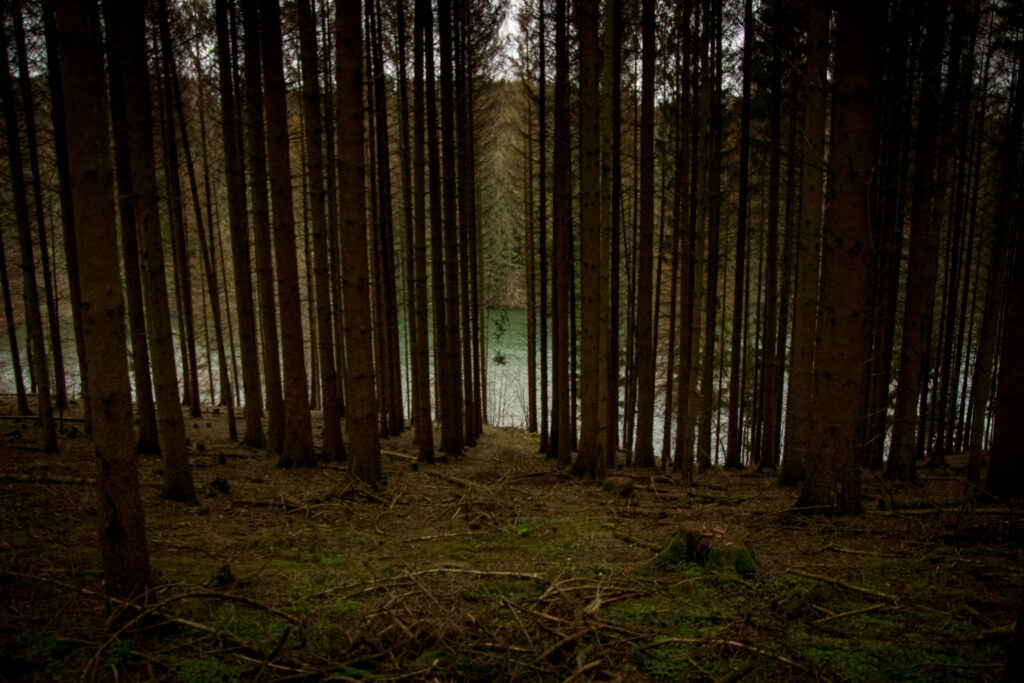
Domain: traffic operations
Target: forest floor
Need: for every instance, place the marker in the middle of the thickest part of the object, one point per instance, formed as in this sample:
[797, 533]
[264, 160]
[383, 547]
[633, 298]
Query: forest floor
[497, 566]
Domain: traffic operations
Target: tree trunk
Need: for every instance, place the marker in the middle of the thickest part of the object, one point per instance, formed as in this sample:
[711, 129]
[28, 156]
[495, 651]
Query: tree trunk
[298, 437]
[561, 436]
[148, 442]
[590, 460]
[421, 363]
[734, 443]
[645, 249]
[31, 143]
[256, 143]
[546, 415]
[60, 144]
[446, 402]
[12, 334]
[768, 456]
[923, 261]
[682, 460]
[123, 535]
[235, 172]
[451, 378]
[130, 20]
[833, 479]
[714, 166]
[333, 447]
[364, 444]
[179, 237]
[33, 318]
[805, 314]
[981, 386]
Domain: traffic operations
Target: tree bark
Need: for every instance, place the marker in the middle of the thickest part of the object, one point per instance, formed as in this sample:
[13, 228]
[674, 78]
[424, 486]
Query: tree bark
[130, 20]
[421, 363]
[33, 318]
[923, 262]
[590, 460]
[734, 443]
[148, 442]
[333, 447]
[805, 315]
[833, 479]
[238, 218]
[645, 248]
[31, 140]
[122, 532]
[297, 448]
[60, 144]
[256, 144]
[364, 444]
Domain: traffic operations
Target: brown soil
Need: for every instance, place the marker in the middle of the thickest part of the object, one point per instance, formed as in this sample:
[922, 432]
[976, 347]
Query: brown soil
[496, 566]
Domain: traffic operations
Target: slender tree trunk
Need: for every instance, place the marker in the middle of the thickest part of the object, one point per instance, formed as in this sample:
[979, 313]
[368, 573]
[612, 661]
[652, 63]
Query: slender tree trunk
[205, 244]
[31, 143]
[148, 442]
[333, 447]
[298, 437]
[805, 314]
[421, 365]
[256, 143]
[591, 459]
[179, 238]
[130, 20]
[561, 434]
[645, 249]
[923, 261]
[33, 318]
[714, 165]
[531, 272]
[682, 460]
[364, 445]
[60, 144]
[464, 158]
[12, 335]
[235, 172]
[546, 415]
[734, 443]
[1009, 176]
[768, 455]
[446, 403]
[451, 440]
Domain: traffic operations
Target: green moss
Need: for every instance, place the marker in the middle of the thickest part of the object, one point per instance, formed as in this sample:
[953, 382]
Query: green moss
[201, 670]
[669, 662]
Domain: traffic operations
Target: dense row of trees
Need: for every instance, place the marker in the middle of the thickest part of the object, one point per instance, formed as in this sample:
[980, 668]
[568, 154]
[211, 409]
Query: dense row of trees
[800, 269]
[831, 251]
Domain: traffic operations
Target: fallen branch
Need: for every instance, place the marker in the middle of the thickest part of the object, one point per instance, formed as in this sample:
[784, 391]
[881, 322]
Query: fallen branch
[377, 584]
[638, 543]
[400, 456]
[989, 633]
[16, 478]
[844, 584]
[869, 608]
[465, 483]
[851, 551]
[725, 641]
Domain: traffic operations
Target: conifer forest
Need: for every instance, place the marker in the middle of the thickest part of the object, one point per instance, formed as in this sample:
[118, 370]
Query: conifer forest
[554, 340]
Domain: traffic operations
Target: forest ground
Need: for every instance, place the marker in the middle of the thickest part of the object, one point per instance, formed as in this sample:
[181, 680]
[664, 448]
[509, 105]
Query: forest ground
[497, 566]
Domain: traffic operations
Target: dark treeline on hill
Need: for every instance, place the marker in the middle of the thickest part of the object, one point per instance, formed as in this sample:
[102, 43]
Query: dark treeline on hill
[781, 235]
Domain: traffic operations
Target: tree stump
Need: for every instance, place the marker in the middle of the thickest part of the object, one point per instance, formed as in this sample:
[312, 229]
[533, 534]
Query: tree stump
[712, 546]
